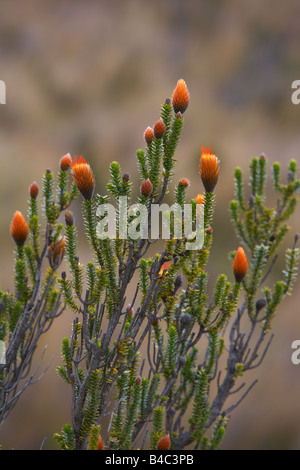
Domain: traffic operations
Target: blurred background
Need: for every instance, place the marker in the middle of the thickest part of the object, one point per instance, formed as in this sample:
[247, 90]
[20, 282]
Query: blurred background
[88, 78]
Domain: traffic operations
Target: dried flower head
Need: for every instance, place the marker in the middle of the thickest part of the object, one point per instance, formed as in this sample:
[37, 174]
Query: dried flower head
[180, 97]
[56, 252]
[65, 162]
[209, 169]
[146, 188]
[138, 380]
[149, 135]
[19, 228]
[83, 177]
[164, 443]
[69, 218]
[34, 190]
[126, 177]
[184, 182]
[240, 265]
[159, 129]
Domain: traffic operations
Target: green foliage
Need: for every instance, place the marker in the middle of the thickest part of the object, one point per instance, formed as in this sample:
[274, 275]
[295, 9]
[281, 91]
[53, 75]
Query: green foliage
[91, 411]
[170, 353]
[163, 308]
[29, 311]
[66, 440]
[200, 413]
[157, 427]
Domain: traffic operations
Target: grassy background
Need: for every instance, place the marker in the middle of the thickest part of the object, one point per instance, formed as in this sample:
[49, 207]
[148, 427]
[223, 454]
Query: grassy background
[88, 78]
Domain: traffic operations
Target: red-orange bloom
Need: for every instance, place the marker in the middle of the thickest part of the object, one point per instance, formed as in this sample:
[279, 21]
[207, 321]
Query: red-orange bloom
[200, 199]
[184, 182]
[209, 169]
[181, 97]
[159, 129]
[65, 162]
[240, 265]
[34, 190]
[83, 177]
[164, 268]
[164, 443]
[100, 444]
[146, 188]
[149, 135]
[19, 228]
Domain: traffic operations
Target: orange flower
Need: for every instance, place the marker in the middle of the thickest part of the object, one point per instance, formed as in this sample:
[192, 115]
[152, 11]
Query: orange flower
[56, 252]
[184, 182]
[159, 129]
[34, 190]
[209, 169]
[146, 188]
[130, 311]
[19, 228]
[83, 177]
[100, 444]
[65, 162]
[240, 265]
[181, 97]
[200, 199]
[148, 135]
[164, 267]
[164, 443]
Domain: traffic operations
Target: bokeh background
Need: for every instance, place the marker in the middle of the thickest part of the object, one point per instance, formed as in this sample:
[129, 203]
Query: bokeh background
[87, 77]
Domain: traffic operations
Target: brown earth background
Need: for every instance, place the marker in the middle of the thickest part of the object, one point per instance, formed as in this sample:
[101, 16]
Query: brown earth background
[87, 77]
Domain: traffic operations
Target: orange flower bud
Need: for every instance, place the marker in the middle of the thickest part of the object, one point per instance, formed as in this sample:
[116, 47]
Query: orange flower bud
[65, 162]
[148, 135]
[181, 97]
[56, 252]
[129, 311]
[146, 188]
[19, 229]
[100, 444]
[83, 177]
[184, 182]
[240, 265]
[209, 169]
[34, 190]
[200, 199]
[164, 443]
[164, 268]
[159, 129]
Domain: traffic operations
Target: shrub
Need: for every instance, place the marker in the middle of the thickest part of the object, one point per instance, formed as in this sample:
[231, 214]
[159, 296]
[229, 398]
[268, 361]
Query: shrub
[152, 358]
